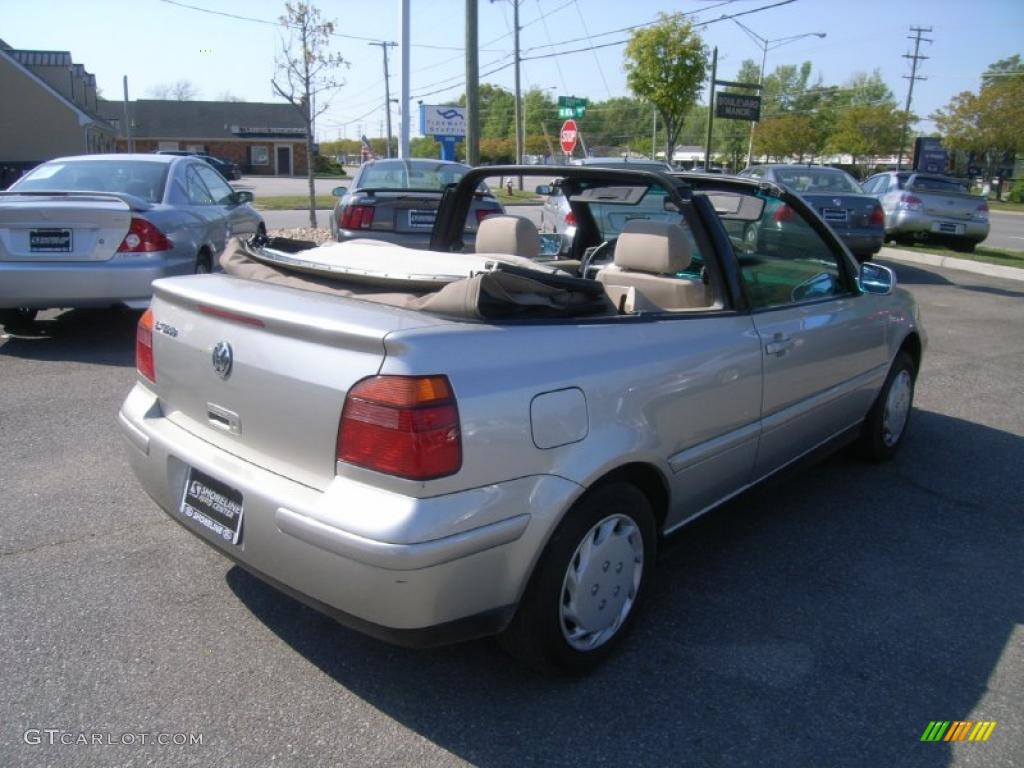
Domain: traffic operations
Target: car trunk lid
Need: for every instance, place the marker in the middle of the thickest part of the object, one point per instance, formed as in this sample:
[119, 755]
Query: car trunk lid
[842, 210]
[43, 227]
[293, 355]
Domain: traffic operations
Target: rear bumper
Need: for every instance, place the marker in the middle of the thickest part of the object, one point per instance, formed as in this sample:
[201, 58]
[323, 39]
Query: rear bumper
[917, 223]
[407, 570]
[860, 242]
[41, 285]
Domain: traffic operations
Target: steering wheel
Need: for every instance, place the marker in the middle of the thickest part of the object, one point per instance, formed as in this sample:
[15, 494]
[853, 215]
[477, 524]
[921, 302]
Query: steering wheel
[600, 255]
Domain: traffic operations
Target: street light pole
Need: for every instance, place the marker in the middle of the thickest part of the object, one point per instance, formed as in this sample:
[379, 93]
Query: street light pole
[765, 46]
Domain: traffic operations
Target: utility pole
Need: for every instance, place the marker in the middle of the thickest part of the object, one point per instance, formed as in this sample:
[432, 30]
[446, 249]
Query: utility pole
[711, 110]
[384, 45]
[127, 119]
[918, 31]
[519, 109]
[654, 135]
[472, 84]
[403, 115]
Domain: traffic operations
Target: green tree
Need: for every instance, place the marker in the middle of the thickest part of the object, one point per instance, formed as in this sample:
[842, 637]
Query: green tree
[867, 131]
[666, 64]
[784, 136]
[307, 74]
[990, 122]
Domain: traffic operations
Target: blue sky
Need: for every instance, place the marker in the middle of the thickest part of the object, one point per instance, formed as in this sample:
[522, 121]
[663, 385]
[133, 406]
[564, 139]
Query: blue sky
[157, 41]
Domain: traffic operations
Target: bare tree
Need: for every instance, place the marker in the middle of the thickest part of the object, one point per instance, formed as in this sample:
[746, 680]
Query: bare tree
[229, 96]
[307, 73]
[183, 90]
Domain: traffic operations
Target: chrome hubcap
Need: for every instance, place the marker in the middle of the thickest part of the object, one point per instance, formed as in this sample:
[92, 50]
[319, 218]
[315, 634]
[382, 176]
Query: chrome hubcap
[601, 582]
[897, 408]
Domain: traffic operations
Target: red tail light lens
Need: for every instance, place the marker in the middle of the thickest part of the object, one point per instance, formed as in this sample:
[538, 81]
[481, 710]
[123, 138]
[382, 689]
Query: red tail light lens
[909, 203]
[783, 213]
[570, 219]
[144, 346]
[406, 426]
[982, 212]
[357, 217]
[482, 214]
[143, 237]
[877, 216]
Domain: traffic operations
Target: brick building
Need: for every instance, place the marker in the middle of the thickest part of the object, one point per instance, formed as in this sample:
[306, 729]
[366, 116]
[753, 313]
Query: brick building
[264, 139]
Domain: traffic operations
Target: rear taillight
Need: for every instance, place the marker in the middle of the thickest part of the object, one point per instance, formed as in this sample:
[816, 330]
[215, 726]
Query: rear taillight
[909, 203]
[877, 216]
[783, 213]
[570, 219]
[144, 346]
[406, 426]
[357, 217]
[483, 213]
[143, 237]
[981, 212]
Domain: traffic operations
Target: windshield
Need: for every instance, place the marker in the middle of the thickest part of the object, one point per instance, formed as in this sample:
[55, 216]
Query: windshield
[132, 177]
[814, 180]
[419, 175]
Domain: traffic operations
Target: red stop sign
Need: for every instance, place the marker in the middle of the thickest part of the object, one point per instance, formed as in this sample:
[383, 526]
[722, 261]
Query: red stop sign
[569, 135]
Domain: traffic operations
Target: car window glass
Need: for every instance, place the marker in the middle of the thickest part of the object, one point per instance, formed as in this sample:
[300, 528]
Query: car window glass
[198, 194]
[783, 260]
[220, 192]
[140, 178]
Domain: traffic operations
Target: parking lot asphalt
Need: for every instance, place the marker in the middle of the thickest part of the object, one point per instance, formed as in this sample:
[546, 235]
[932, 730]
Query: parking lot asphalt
[824, 619]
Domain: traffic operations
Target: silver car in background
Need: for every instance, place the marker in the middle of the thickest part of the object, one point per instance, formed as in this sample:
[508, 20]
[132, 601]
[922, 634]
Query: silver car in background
[927, 206]
[557, 216]
[397, 200]
[97, 230]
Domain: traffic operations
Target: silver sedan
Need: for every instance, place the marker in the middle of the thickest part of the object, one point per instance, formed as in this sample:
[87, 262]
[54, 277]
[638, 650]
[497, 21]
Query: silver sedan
[97, 230]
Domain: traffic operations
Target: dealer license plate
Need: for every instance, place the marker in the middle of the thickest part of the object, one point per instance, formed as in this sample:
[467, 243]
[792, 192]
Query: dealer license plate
[422, 218]
[49, 240]
[212, 504]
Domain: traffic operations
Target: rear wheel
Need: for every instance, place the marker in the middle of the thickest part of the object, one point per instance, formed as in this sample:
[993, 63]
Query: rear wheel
[589, 584]
[886, 423]
[18, 317]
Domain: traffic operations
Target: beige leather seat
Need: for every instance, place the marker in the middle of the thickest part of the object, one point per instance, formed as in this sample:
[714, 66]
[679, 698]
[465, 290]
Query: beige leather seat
[647, 256]
[512, 235]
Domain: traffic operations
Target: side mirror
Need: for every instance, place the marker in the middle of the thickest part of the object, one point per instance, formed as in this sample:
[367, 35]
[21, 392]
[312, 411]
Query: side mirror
[339, 191]
[550, 244]
[874, 278]
[243, 196]
[543, 189]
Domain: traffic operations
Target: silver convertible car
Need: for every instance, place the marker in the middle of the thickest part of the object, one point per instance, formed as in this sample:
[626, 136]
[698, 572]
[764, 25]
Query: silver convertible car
[97, 230]
[437, 445]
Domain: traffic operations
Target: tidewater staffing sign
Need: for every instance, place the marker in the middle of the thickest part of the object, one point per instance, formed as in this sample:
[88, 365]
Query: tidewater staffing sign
[441, 120]
[738, 106]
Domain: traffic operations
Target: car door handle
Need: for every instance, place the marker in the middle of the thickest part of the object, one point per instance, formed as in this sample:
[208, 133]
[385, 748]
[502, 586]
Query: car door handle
[778, 345]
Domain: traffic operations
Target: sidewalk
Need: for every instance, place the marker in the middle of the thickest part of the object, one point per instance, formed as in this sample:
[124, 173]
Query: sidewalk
[951, 262]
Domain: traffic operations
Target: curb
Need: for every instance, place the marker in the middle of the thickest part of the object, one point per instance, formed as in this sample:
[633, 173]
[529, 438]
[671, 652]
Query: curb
[951, 262]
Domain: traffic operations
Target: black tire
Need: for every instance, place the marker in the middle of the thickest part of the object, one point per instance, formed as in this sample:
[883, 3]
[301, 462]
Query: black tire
[883, 431]
[17, 318]
[963, 246]
[610, 517]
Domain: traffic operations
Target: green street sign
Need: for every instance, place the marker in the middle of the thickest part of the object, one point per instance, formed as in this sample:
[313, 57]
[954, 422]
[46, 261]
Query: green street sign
[571, 106]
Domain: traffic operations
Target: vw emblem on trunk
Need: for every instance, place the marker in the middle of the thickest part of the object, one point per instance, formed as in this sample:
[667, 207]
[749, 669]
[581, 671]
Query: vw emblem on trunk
[837, 202]
[222, 359]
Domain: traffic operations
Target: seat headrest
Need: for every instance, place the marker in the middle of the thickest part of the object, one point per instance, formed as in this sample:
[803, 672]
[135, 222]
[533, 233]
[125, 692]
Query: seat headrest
[657, 247]
[514, 235]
